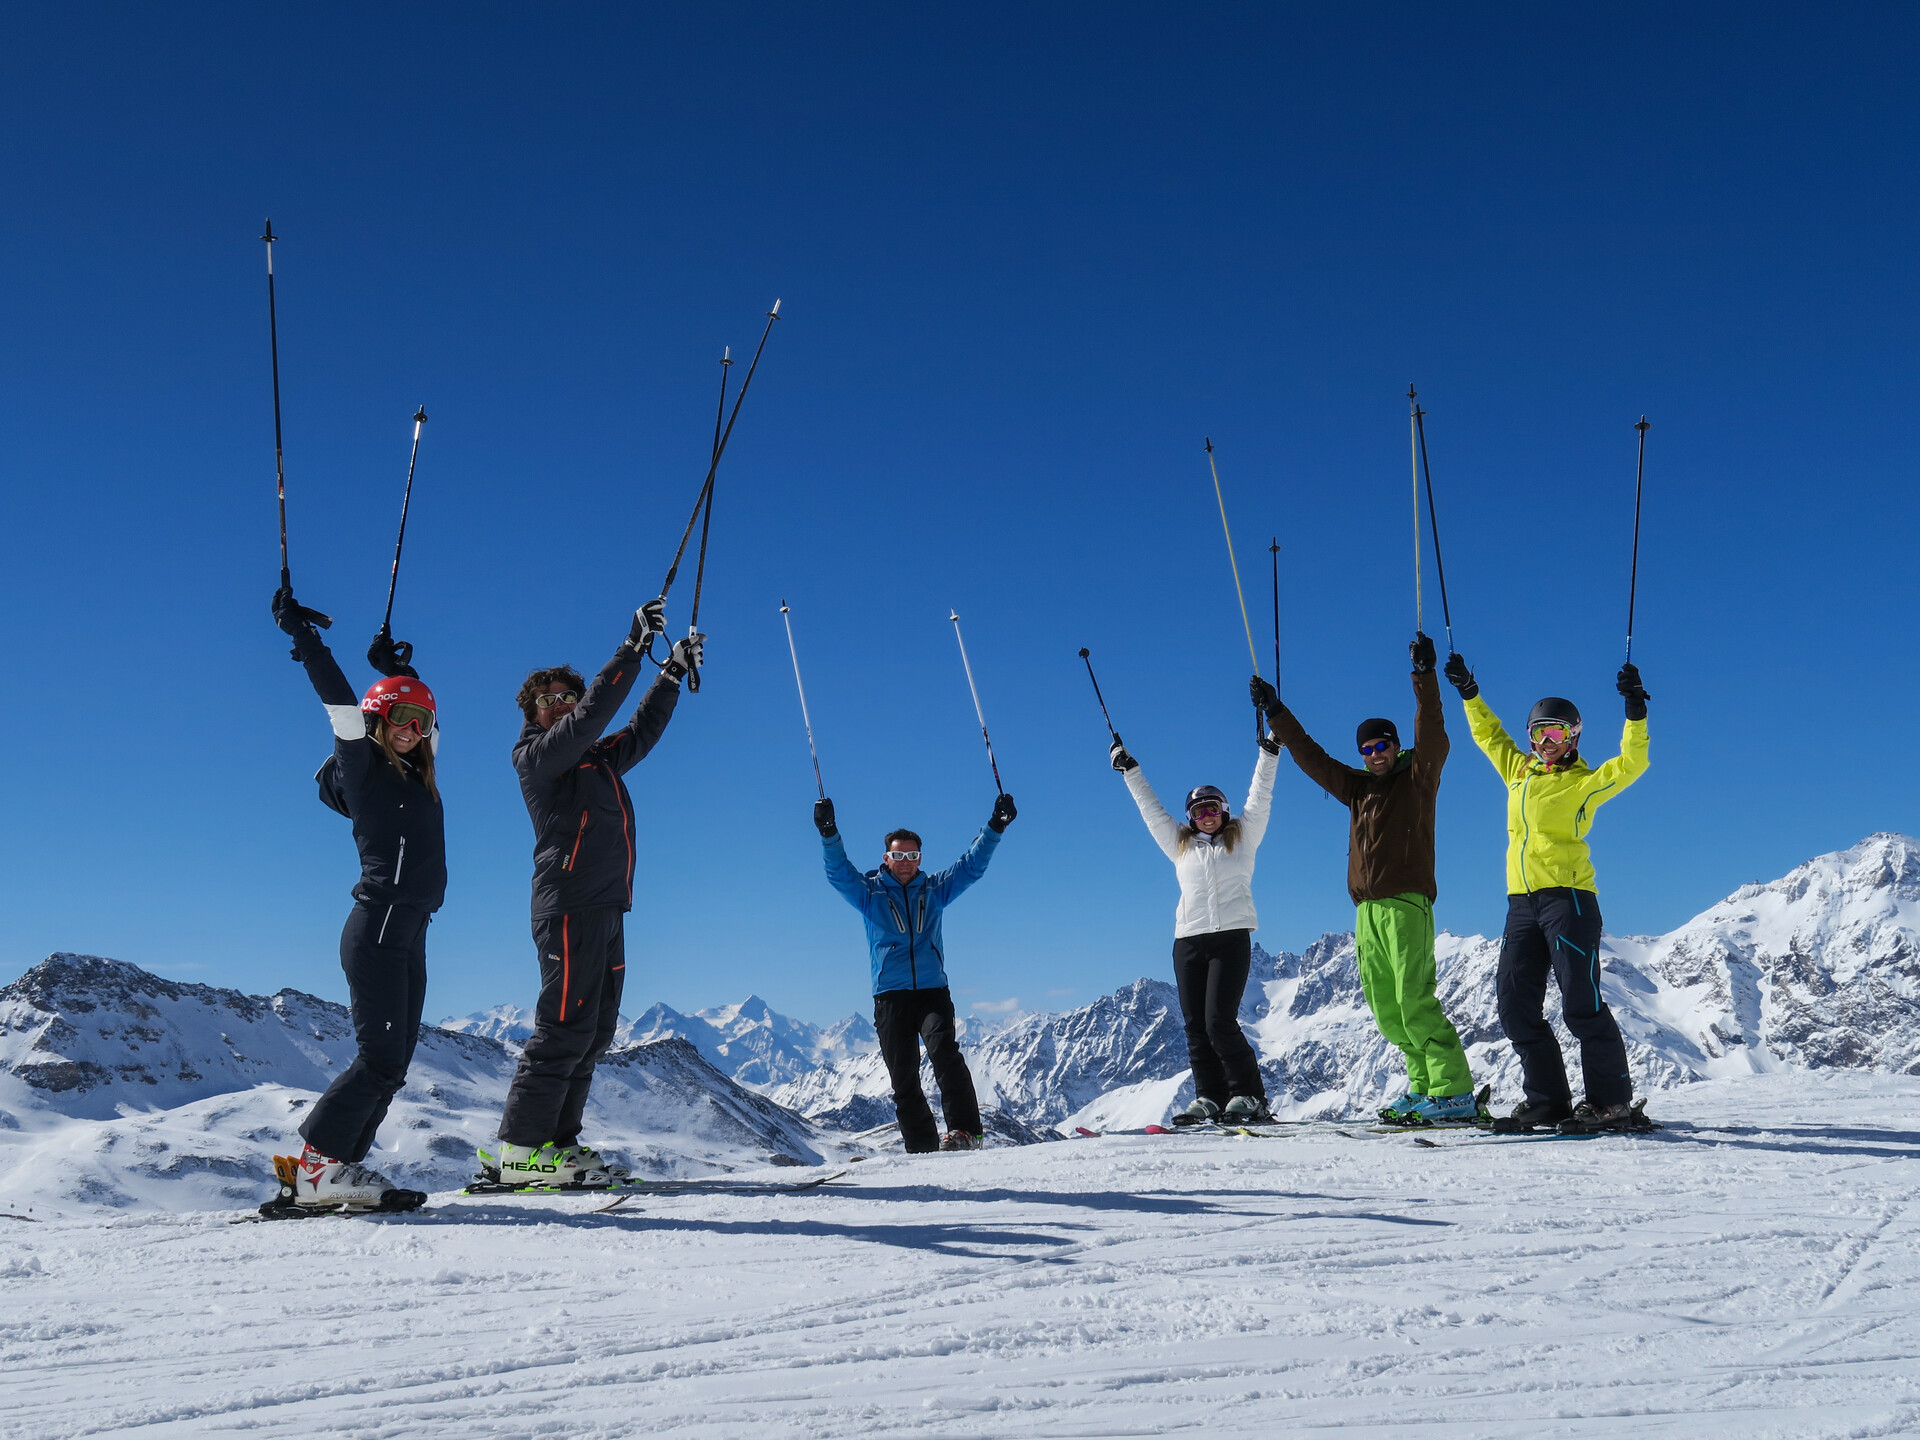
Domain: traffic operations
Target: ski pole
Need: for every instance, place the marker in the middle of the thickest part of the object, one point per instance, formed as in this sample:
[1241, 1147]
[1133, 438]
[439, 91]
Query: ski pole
[419, 419]
[1433, 519]
[1274, 548]
[700, 500]
[1633, 580]
[1259, 720]
[706, 522]
[1413, 462]
[279, 452]
[1086, 655]
[806, 719]
[999, 789]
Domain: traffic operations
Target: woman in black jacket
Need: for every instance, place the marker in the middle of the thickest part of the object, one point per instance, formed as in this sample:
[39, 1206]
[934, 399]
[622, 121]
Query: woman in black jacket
[380, 776]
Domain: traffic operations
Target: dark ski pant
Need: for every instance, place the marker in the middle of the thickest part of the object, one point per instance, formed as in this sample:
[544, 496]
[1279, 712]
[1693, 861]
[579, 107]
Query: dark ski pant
[383, 950]
[903, 1019]
[1557, 932]
[1211, 971]
[583, 967]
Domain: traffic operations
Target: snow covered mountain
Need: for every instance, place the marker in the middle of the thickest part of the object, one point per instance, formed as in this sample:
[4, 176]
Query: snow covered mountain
[750, 1042]
[118, 1086]
[1818, 969]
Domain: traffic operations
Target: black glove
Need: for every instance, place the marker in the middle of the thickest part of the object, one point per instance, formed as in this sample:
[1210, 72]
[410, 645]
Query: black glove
[648, 621]
[392, 657]
[1270, 744]
[1628, 684]
[1122, 761]
[1422, 652]
[1460, 677]
[1265, 697]
[688, 654]
[1003, 814]
[298, 621]
[823, 819]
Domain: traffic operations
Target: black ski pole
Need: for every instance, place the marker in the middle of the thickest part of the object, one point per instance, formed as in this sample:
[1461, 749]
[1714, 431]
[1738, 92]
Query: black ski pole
[1274, 549]
[700, 500]
[1439, 565]
[805, 718]
[979, 714]
[1087, 656]
[1633, 580]
[706, 521]
[406, 500]
[279, 450]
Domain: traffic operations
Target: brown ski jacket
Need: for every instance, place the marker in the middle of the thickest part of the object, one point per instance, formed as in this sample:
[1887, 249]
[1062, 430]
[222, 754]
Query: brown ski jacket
[1390, 838]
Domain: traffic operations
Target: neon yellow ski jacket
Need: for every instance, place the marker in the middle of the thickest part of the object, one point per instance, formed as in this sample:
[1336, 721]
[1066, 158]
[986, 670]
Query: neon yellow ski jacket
[1550, 811]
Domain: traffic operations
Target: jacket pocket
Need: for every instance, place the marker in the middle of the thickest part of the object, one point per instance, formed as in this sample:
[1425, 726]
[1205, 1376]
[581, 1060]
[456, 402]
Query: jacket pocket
[578, 836]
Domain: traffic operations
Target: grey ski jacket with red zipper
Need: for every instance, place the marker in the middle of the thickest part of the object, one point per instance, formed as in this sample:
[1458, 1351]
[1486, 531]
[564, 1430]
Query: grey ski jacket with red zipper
[570, 778]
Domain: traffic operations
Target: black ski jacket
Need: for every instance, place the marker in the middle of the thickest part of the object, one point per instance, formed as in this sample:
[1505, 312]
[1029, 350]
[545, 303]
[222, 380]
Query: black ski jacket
[570, 778]
[397, 822]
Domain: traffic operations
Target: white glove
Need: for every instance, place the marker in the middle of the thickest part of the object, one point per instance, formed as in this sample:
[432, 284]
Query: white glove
[688, 654]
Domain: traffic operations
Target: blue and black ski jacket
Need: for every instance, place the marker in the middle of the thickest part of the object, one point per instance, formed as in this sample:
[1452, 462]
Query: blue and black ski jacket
[903, 921]
[570, 778]
[398, 823]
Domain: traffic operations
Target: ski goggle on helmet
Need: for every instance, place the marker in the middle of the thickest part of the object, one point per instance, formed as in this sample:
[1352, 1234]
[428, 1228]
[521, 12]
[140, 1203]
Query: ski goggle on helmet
[403, 702]
[1207, 799]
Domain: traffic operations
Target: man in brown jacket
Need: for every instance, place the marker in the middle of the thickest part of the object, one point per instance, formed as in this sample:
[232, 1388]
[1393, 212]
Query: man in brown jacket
[1390, 877]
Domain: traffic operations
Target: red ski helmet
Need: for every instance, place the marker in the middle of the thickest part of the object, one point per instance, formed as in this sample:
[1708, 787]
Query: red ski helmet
[401, 701]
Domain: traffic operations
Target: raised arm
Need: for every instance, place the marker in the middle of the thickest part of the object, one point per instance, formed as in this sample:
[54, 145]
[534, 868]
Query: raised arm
[958, 877]
[1314, 762]
[1253, 819]
[632, 742]
[1430, 743]
[555, 751]
[1160, 825]
[1485, 727]
[851, 884]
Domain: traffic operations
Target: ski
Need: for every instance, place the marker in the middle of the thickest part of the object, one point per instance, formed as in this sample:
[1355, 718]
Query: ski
[394, 1202]
[629, 1188]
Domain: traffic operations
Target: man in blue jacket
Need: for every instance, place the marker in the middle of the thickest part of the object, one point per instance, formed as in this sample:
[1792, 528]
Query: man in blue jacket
[911, 999]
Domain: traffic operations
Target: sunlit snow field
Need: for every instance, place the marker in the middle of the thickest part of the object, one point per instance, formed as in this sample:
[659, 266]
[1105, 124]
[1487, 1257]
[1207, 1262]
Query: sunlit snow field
[1748, 1273]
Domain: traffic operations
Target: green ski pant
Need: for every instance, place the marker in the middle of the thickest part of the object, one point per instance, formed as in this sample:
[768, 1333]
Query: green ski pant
[1394, 939]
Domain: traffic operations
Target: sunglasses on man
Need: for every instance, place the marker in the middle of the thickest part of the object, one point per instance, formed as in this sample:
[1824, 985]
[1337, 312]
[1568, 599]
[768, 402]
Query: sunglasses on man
[899, 855]
[565, 697]
[1376, 747]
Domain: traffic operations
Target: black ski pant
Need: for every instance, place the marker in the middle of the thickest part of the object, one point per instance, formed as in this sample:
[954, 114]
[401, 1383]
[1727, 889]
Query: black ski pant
[383, 951]
[1557, 932]
[1211, 971]
[903, 1019]
[583, 967]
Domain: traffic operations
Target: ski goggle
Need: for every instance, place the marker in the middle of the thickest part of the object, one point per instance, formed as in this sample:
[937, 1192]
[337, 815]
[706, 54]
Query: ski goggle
[405, 715]
[1552, 733]
[898, 855]
[565, 697]
[1377, 747]
[1206, 810]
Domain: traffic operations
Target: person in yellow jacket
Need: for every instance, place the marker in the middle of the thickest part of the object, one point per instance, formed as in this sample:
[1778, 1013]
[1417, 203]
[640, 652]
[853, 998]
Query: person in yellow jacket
[1553, 914]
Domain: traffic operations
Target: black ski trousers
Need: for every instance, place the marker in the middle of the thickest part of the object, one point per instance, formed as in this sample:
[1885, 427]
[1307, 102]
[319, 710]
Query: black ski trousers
[383, 951]
[583, 967]
[903, 1019]
[1557, 932]
[1211, 971]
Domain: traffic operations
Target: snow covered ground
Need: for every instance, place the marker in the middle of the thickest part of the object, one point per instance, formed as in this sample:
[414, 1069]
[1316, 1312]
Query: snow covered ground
[1752, 1279]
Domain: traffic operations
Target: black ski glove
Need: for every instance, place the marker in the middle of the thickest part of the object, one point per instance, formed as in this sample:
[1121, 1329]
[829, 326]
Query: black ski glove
[1628, 684]
[1270, 744]
[1003, 814]
[1460, 677]
[1122, 761]
[1265, 697]
[298, 621]
[648, 621]
[823, 819]
[392, 657]
[688, 654]
[1422, 652]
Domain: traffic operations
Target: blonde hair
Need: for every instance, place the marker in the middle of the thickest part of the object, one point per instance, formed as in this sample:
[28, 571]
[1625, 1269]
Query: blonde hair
[1228, 835]
[416, 764]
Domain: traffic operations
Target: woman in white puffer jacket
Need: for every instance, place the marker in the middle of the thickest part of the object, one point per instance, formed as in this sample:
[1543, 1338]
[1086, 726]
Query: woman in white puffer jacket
[1213, 855]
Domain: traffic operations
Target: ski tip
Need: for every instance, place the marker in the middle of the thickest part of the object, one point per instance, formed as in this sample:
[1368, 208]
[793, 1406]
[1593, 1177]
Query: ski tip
[1158, 1130]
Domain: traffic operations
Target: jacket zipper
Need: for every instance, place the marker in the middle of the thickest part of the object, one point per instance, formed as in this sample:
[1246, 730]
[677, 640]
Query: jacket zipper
[401, 861]
[579, 835]
[626, 827]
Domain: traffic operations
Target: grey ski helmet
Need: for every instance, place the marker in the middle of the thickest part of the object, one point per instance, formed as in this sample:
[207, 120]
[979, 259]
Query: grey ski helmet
[1554, 709]
[1208, 792]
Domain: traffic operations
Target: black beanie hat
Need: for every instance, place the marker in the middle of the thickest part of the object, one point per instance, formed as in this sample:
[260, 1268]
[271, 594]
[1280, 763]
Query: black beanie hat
[1376, 729]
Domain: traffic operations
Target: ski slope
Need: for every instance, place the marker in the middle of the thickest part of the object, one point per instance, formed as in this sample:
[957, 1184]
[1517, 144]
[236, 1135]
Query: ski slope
[1754, 1280]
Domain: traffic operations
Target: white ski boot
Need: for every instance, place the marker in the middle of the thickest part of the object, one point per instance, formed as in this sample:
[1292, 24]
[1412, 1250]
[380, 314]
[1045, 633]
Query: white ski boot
[548, 1166]
[320, 1183]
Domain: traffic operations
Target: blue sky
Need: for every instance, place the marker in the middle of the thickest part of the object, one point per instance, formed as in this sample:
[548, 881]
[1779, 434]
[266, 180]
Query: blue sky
[1029, 257]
